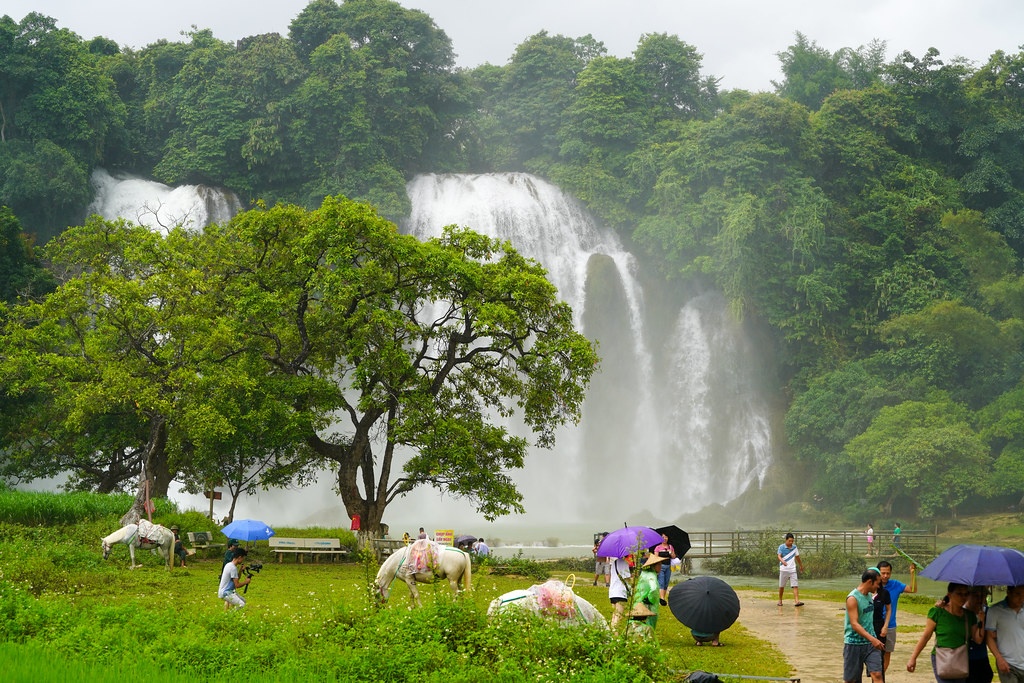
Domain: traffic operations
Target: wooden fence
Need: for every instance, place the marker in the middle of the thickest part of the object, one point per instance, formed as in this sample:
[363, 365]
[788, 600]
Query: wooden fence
[707, 544]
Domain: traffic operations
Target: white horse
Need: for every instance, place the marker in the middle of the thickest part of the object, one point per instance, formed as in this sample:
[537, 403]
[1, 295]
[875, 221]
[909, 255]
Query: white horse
[145, 536]
[424, 561]
[553, 600]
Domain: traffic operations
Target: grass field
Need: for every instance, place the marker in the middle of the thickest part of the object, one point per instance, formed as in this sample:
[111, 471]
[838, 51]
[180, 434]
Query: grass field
[65, 614]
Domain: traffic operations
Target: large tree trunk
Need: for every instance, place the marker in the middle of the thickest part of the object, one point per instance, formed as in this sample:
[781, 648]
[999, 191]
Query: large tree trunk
[155, 451]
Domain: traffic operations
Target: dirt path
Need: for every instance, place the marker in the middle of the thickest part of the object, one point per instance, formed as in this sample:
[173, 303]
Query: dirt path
[811, 637]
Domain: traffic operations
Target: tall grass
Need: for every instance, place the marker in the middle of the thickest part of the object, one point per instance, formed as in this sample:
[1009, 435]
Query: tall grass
[34, 508]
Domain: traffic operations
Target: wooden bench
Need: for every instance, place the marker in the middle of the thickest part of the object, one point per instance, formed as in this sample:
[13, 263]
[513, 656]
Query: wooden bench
[301, 547]
[202, 540]
[386, 546]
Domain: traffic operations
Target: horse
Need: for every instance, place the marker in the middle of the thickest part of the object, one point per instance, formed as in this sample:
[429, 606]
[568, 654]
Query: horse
[144, 535]
[424, 561]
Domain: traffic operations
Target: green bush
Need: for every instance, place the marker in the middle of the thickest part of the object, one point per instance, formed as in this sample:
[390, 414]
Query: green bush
[831, 561]
[519, 566]
[756, 557]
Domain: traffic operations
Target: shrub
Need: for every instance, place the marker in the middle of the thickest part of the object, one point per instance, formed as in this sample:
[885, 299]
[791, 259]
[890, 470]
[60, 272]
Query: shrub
[831, 561]
[756, 557]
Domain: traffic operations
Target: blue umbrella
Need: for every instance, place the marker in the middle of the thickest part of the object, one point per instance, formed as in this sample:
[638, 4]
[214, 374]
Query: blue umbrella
[978, 565]
[248, 530]
[629, 540]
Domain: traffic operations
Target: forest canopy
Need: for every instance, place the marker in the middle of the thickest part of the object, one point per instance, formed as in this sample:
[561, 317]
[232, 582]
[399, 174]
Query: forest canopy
[869, 211]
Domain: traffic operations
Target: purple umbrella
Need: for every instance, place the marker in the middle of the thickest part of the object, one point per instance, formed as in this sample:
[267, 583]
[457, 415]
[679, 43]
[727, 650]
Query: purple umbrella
[978, 565]
[629, 540]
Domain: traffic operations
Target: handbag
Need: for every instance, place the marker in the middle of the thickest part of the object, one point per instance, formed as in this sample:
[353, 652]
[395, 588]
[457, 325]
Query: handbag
[951, 662]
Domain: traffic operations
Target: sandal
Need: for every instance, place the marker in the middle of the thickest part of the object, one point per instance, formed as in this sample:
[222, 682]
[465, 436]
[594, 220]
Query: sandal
[780, 603]
[798, 604]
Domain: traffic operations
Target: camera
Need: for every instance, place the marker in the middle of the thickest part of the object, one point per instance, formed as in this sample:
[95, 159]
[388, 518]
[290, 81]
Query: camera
[249, 570]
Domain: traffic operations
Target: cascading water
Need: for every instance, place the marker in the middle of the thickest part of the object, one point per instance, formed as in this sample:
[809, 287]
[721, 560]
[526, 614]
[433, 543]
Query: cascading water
[673, 421]
[157, 206]
[670, 424]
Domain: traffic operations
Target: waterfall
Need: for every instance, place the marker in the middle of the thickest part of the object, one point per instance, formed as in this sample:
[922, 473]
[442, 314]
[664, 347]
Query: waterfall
[670, 424]
[157, 206]
[674, 420]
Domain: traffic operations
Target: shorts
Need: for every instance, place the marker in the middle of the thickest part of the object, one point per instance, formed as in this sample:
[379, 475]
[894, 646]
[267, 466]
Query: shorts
[617, 600]
[856, 657]
[890, 639]
[234, 598]
[1014, 675]
[787, 576]
[602, 568]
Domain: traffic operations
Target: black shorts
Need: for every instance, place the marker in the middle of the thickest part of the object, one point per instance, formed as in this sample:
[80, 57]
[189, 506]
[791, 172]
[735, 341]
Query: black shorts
[616, 600]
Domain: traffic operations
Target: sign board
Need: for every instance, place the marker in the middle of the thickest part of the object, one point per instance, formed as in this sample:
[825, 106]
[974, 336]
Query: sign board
[444, 536]
[216, 494]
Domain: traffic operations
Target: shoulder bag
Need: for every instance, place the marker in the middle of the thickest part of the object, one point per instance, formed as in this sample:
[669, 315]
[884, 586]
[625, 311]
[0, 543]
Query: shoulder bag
[951, 662]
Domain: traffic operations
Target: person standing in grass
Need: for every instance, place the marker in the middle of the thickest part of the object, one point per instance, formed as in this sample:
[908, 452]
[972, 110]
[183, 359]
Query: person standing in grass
[618, 593]
[229, 582]
[602, 565]
[789, 560]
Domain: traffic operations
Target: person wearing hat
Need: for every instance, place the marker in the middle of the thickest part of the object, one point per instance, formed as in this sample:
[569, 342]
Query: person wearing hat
[648, 588]
[233, 545]
[179, 549]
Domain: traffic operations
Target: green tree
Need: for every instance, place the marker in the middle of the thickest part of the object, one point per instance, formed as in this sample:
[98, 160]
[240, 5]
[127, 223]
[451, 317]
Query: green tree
[924, 451]
[812, 73]
[416, 346]
[954, 347]
[1001, 425]
[314, 26]
[538, 86]
[57, 111]
[669, 72]
[22, 276]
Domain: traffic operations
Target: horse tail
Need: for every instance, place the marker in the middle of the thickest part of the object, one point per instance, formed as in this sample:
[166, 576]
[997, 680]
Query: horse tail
[467, 575]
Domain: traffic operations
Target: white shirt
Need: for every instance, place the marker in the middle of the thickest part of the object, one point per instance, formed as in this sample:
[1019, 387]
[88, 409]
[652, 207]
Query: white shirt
[789, 556]
[1009, 629]
[227, 577]
[620, 573]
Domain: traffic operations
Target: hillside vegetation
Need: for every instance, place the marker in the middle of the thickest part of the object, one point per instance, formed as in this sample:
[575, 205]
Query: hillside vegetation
[868, 213]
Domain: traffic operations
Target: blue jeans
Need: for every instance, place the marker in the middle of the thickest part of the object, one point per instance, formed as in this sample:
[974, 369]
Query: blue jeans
[664, 574]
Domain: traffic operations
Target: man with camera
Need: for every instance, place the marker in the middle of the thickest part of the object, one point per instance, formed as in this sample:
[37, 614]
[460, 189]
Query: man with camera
[230, 583]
